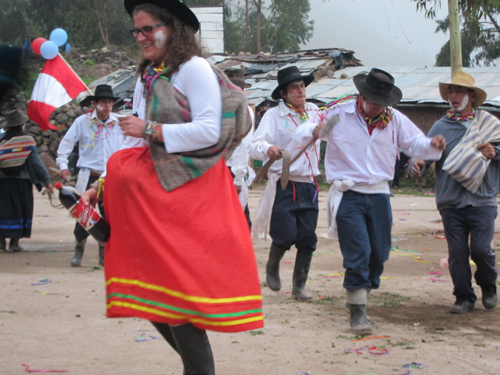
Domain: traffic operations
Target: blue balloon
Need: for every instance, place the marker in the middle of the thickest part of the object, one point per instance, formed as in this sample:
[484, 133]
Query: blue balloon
[49, 50]
[59, 37]
[68, 47]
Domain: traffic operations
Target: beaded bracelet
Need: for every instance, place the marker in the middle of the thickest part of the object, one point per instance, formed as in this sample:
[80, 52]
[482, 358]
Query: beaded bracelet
[99, 186]
[150, 130]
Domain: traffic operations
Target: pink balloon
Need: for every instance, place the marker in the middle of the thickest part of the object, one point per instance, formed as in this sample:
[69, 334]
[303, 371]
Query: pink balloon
[36, 44]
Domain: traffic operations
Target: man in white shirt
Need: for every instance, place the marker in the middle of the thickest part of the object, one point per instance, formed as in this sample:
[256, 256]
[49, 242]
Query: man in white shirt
[242, 174]
[99, 136]
[360, 157]
[293, 212]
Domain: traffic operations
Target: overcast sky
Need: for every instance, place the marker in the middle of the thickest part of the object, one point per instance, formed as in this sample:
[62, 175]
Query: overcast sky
[380, 32]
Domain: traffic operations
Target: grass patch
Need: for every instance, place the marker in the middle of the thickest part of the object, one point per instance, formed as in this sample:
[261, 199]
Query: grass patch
[388, 299]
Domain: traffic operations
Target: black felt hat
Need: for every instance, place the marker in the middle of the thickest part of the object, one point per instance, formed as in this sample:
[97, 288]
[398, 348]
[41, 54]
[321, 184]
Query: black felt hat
[287, 75]
[378, 86]
[177, 7]
[101, 92]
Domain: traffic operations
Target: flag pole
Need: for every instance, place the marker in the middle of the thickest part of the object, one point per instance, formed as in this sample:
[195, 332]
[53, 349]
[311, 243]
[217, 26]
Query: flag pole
[76, 74]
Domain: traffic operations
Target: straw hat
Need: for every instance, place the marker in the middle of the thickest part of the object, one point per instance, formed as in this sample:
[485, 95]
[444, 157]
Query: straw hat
[460, 78]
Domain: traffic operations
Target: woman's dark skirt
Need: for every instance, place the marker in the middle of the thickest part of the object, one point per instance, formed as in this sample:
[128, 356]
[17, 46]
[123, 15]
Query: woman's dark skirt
[16, 207]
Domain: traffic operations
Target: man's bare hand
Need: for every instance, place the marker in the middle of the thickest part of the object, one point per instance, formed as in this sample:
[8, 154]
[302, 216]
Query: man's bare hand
[416, 168]
[89, 197]
[65, 175]
[238, 189]
[274, 152]
[317, 130]
[438, 142]
[487, 149]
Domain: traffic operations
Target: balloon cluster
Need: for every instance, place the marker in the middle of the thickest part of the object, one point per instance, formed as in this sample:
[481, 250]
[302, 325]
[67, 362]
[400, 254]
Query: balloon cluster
[50, 48]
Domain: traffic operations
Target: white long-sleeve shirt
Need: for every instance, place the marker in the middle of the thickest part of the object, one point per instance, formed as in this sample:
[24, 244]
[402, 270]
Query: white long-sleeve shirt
[238, 162]
[197, 81]
[352, 154]
[95, 145]
[278, 127]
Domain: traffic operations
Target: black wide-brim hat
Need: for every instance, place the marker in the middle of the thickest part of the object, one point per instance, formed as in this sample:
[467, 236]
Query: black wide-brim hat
[378, 86]
[287, 75]
[101, 92]
[177, 7]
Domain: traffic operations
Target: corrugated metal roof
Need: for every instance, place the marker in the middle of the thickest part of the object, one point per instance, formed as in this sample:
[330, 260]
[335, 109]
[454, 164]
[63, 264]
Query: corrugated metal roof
[335, 69]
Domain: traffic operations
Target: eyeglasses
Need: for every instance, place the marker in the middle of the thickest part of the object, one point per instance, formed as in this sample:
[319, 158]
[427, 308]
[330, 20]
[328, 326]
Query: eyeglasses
[146, 30]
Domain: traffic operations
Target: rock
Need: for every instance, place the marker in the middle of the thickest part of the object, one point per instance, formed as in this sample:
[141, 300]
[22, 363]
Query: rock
[62, 118]
[71, 113]
[43, 148]
[34, 129]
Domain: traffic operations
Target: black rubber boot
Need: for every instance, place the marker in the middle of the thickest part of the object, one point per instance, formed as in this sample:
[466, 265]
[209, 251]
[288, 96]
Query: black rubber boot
[76, 261]
[300, 272]
[490, 297]
[194, 348]
[14, 245]
[273, 280]
[101, 254]
[359, 320]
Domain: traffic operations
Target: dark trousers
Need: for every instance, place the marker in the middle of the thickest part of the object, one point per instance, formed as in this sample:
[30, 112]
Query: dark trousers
[478, 223]
[79, 232]
[364, 223]
[295, 216]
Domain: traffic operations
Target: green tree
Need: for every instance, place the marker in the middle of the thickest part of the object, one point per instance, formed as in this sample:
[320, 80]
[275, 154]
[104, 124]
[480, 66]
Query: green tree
[480, 33]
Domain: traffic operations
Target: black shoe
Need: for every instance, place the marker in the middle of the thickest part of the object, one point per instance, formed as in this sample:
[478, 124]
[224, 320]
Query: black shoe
[490, 297]
[461, 306]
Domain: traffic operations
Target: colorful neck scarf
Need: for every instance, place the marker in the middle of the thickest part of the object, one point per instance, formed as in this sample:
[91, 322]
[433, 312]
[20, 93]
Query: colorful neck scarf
[452, 115]
[302, 113]
[99, 125]
[380, 121]
[151, 73]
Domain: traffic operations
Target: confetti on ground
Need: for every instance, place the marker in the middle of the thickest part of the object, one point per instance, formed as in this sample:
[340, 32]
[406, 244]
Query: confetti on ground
[287, 263]
[443, 263]
[372, 337]
[146, 337]
[42, 282]
[418, 259]
[471, 262]
[433, 279]
[29, 370]
[439, 237]
[371, 350]
[403, 220]
[387, 277]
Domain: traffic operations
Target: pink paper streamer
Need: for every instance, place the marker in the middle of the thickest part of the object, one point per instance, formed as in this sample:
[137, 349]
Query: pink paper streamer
[45, 371]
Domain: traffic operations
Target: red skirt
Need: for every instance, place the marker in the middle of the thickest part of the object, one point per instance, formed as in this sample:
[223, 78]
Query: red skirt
[178, 257]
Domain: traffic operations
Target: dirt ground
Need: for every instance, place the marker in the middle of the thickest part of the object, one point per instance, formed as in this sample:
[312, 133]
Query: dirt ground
[52, 316]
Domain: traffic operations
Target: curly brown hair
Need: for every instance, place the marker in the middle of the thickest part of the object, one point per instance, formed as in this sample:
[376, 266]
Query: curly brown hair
[181, 39]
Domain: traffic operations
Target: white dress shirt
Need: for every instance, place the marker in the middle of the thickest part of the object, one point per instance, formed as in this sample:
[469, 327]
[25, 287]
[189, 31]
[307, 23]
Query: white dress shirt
[278, 127]
[96, 143]
[353, 154]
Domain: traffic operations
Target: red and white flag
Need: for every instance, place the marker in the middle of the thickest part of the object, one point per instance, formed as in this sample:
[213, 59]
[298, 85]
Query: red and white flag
[56, 85]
